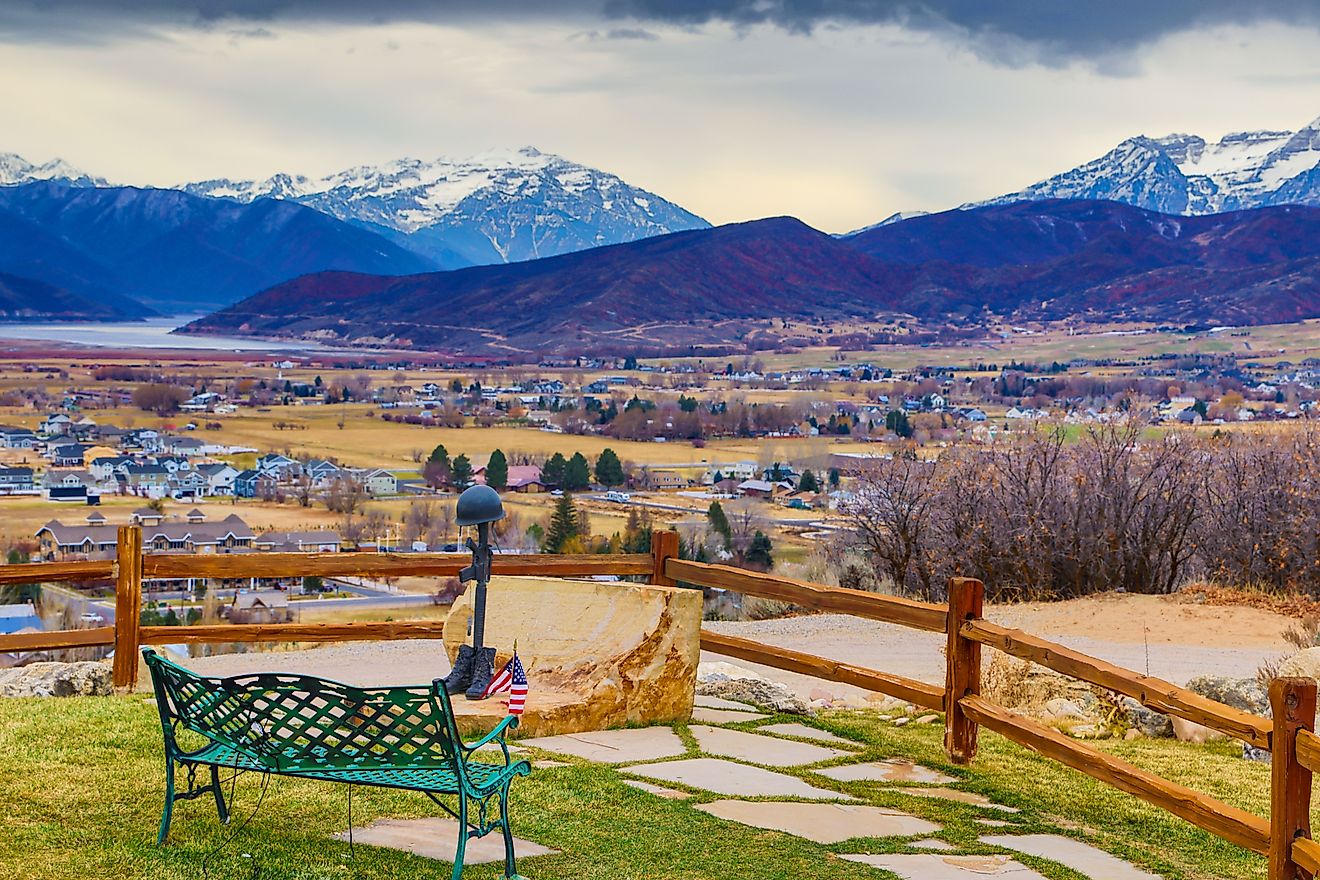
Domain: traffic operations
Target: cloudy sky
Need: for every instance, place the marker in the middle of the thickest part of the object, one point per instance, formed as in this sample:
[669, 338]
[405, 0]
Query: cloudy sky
[837, 111]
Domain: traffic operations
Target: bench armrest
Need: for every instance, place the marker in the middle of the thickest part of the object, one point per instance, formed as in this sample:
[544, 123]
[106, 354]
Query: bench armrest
[509, 723]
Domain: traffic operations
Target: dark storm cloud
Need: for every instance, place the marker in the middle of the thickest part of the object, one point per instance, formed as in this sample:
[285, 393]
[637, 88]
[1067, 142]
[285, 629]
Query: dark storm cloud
[1046, 30]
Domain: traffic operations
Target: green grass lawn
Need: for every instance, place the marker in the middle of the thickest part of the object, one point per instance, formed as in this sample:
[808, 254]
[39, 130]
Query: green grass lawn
[81, 780]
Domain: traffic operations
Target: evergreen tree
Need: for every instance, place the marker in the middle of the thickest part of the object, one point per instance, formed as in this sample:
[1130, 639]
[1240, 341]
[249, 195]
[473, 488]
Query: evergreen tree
[717, 477]
[760, 555]
[808, 482]
[609, 470]
[897, 421]
[461, 470]
[834, 477]
[552, 472]
[637, 532]
[719, 523]
[497, 470]
[577, 473]
[563, 526]
[440, 454]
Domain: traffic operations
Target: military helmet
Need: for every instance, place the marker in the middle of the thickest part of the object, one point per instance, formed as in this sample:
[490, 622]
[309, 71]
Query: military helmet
[479, 504]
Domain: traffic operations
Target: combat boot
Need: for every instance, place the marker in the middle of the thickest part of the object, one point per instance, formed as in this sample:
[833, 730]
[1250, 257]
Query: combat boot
[483, 670]
[460, 677]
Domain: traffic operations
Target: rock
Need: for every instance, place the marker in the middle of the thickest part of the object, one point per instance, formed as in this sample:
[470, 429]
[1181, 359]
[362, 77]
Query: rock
[928, 719]
[1151, 723]
[820, 694]
[1191, 732]
[1303, 664]
[899, 722]
[750, 688]
[1246, 694]
[598, 655]
[1060, 709]
[1084, 731]
[1132, 733]
[83, 679]
[1252, 753]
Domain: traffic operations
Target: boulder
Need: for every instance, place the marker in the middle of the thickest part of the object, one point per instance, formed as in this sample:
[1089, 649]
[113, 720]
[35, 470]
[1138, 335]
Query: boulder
[735, 683]
[1191, 732]
[1151, 723]
[82, 679]
[1246, 694]
[597, 654]
[1303, 664]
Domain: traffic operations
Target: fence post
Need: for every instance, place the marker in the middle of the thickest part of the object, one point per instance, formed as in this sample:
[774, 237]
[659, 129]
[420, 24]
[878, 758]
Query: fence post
[664, 545]
[1293, 702]
[128, 605]
[963, 676]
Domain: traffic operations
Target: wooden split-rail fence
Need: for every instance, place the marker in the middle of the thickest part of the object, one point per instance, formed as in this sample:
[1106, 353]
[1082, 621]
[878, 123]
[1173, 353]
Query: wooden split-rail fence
[1285, 837]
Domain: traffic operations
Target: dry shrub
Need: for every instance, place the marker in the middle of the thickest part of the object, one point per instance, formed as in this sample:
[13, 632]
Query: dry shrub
[1008, 681]
[757, 608]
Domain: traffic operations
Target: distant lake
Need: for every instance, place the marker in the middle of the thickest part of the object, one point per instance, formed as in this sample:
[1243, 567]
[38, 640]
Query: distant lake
[153, 333]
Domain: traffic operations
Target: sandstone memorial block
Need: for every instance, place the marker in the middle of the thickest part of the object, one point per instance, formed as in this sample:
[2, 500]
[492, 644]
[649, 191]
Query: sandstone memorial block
[598, 654]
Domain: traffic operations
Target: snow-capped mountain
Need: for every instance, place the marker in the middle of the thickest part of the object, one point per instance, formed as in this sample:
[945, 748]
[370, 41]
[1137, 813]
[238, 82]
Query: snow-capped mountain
[498, 207]
[1183, 174]
[14, 169]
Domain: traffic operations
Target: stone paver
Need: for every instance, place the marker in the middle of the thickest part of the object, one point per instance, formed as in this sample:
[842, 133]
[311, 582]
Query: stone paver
[723, 716]
[804, 732]
[760, 749]
[614, 746]
[1081, 857]
[731, 779]
[994, 823]
[929, 866]
[953, 794]
[823, 823]
[436, 838]
[892, 770]
[721, 703]
[548, 765]
[657, 790]
[933, 843]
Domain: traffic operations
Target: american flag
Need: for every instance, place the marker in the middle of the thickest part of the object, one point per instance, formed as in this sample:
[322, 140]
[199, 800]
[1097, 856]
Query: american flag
[512, 678]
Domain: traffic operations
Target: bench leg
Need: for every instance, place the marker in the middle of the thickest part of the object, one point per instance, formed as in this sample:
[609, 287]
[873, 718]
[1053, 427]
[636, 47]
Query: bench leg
[510, 867]
[462, 837]
[220, 807]
[169, 802]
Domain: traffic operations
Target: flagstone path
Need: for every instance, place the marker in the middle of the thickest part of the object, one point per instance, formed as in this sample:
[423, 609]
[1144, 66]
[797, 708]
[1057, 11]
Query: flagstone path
[745, 775]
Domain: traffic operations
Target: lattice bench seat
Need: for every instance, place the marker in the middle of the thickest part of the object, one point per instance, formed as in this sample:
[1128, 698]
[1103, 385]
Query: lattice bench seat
[313, 728]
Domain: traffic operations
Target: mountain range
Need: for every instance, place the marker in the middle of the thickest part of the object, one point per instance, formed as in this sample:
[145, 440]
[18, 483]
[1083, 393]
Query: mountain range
[1184, 174]
[143, 251]
[499, 207]
[1050, 260]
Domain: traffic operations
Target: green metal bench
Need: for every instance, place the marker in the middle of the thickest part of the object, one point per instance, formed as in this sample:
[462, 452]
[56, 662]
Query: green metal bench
[312, 728]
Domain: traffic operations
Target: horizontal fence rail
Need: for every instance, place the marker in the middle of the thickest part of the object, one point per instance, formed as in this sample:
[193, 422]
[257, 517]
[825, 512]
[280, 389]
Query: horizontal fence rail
[53, 572]
[858, 603]
[929, 696]
[1220, 819]
[52, 641]
[293, 632]
[1154, 693]
[284, 565]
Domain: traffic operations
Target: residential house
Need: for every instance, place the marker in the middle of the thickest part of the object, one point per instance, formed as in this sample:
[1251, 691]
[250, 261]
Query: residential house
[76, 486]
[668, 480]
[377, 481]
[17, 438]
[57, 425]
[258, 606]
[313, 541]
[16, 481]
[219, 477]
[68, 455]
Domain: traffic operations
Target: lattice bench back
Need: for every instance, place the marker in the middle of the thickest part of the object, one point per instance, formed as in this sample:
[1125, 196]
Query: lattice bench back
[290, 722]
